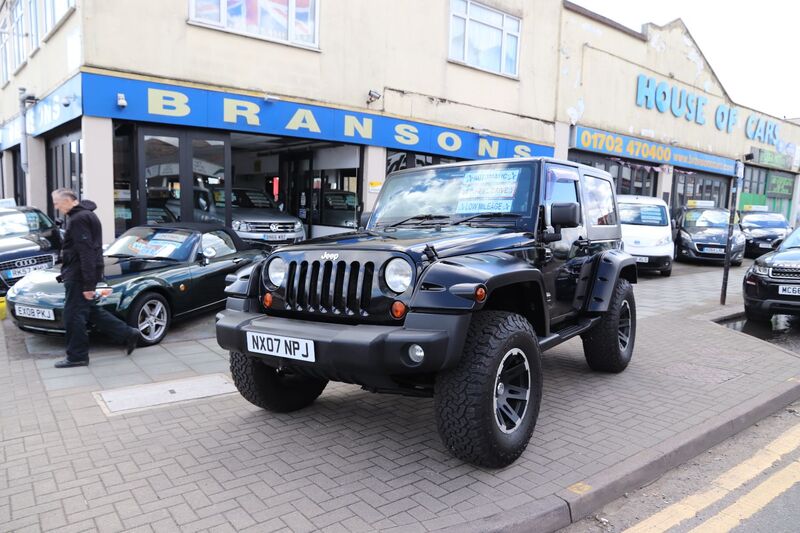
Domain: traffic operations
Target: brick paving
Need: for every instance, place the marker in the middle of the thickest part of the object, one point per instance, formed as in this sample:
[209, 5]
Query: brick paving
[353, 461]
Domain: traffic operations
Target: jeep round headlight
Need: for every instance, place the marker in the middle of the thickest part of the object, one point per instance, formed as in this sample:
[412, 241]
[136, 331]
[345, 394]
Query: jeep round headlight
[398, 275]
[276, 271]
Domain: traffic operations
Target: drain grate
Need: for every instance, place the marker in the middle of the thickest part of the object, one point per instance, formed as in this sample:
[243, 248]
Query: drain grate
[138, 397]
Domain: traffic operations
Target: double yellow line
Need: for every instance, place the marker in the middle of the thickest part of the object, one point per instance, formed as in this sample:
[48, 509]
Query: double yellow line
[733, 479]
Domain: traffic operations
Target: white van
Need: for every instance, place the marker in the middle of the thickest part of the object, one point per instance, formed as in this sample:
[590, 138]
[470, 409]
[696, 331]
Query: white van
[647, 232]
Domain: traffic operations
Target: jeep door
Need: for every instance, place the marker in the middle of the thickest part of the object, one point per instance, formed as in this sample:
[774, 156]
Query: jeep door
[562, 259]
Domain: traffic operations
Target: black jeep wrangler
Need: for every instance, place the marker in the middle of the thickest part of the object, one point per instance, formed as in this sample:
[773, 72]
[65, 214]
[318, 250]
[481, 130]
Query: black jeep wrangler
[463, 276]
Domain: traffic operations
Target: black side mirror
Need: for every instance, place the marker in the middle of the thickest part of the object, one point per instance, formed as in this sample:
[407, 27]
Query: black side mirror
[566, 215]
[776, 243]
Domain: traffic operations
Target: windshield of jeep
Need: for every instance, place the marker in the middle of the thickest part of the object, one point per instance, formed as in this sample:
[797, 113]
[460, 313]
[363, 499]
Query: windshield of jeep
[445, 195]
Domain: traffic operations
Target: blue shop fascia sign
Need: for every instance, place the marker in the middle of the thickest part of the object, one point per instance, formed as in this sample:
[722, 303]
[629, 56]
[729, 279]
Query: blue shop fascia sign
[609, 143]
[204, 108]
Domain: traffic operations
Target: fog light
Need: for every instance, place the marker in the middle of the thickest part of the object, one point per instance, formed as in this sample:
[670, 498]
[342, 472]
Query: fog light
[267, 300]
[416, 353]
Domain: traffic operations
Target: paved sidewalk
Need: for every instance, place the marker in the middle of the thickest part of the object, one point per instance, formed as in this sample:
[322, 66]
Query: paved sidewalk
[356, 461]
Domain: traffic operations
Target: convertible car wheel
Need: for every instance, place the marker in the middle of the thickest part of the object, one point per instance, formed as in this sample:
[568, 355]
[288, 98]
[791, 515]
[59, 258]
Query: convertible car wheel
[151, 315]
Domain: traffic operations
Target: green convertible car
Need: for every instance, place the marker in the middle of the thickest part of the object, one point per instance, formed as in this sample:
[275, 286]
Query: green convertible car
[154, 275]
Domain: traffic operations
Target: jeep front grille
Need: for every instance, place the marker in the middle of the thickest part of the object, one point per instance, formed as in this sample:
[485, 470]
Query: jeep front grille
[785, 273]
[338, 288]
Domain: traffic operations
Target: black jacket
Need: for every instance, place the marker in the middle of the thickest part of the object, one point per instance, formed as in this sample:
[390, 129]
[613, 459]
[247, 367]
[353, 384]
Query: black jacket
[82, 251]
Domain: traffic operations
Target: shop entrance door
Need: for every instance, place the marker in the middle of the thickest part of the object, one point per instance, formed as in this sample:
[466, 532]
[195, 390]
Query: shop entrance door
[182, 176]
[297, 186]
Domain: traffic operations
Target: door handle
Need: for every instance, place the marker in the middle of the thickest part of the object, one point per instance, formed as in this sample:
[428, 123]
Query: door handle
[237, 260]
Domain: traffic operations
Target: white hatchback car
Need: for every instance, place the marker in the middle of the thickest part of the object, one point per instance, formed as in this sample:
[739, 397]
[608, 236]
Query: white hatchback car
[647, 232]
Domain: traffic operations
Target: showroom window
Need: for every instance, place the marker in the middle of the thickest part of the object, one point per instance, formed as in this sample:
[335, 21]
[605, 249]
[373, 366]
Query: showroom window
[484, 38]
[289, 21]
[54, 11]
[755, 180]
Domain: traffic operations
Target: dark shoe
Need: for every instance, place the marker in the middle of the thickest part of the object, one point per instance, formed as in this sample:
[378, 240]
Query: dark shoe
[133, 341]
[66, 363]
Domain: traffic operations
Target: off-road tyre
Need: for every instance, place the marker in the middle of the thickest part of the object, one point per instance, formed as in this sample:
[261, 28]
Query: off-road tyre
[465, 397]
[603, 345]
[754, 315]
[270, 389]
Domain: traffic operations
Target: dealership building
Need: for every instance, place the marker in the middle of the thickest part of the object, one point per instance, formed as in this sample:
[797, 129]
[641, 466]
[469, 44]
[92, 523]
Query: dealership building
[138, 104]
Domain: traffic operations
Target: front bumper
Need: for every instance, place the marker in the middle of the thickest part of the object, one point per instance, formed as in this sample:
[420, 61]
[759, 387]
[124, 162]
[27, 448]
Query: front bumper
[373, 356]
[762, 294]
[756, 248]
[655, 263]
[272, 239]
[692, 252]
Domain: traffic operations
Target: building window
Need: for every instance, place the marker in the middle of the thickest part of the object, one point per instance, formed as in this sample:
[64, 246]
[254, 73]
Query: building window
[18, 34]
[5, 57]
[291, 21]
[33, 23]
[755, 180]
[484, 38]
[54, 11]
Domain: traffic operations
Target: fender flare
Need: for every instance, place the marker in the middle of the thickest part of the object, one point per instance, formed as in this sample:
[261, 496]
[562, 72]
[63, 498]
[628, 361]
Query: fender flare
[611, 265]
[450, 286]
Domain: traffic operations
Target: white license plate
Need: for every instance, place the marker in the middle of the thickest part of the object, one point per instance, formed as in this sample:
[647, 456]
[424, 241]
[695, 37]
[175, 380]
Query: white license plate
[765, 245]
[791, 290]
[289, 347]
[714, 250]
[34, 312]
[19, 272]
[275, 236]
[642, 259]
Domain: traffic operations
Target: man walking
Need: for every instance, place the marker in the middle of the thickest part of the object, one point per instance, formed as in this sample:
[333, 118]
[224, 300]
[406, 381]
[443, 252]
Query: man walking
[81, 270]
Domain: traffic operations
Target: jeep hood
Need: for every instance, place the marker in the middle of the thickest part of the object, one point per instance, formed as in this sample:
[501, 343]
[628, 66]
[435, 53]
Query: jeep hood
[448, 242]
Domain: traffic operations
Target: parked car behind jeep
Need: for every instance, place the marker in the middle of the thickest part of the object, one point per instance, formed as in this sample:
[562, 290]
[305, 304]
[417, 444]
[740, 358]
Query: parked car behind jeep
[463, 276]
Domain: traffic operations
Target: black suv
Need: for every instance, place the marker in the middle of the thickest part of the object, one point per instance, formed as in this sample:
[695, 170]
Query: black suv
[772, 285]
[29, 241]
[463, 275]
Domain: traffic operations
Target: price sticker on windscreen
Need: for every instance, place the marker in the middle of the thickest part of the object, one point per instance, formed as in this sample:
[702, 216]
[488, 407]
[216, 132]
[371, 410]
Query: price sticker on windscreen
[488, 190]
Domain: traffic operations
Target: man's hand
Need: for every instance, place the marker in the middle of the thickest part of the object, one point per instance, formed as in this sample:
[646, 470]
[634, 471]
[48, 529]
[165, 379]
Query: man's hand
[89, 295]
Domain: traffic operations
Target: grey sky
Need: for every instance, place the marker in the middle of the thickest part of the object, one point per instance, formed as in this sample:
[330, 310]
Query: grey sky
[753, 47]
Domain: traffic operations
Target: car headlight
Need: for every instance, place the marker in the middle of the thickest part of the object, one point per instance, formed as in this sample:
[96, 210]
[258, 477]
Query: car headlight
[236, 225]
[276, 271]
[664, 241]
[685, 236]
[761, 270]
[738, 239]
[398, 275]
[298, 226]
[12, 291]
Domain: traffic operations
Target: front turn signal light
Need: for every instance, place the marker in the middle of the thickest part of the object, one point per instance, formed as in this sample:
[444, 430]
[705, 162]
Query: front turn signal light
[399, 309]
[480, 294]
[267, 300]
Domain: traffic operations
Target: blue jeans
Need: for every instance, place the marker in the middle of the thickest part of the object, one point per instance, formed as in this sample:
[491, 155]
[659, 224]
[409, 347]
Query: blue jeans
[78, 312]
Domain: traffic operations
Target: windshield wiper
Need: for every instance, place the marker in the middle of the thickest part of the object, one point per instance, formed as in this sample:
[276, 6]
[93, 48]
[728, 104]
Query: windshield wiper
[487, 215]
[142, 257]
[416, 217]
